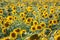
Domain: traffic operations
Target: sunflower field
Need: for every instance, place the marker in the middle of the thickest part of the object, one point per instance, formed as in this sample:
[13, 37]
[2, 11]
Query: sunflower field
[29, 19]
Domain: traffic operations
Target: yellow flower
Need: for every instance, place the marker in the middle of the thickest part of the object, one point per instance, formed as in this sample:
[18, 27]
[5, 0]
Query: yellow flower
[22, 14]
[10, 18]
[22, 32]
[18, 4]
[45, 6]
[13, 12]
[13, 35]
[49, 26]
[46, 15]
[33, 28]
[29, 8]
[1, 11]
[23, 19]
[38, 27]
[39, 8]
[29, 20]
[6, 24]
[34, 37]
[50, 22]
[6, 38]
[15, 18]
[52, 10]
[17, 30]
[14, 8]
[1, 17]
[57, 37]
[4, 30]
[43, 24]
[55, 16]
[3, 27]
[56, 33]
[41, 34]
[12, 5]
[34, 13]
[55, 21]
[35, 23]
[50, 16]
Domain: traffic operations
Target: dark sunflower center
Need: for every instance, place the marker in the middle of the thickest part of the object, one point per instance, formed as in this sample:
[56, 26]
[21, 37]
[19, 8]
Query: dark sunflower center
[54, 21]
[7, 39]
[50, 16]
[34, 37]
[6, 24]
[38, 27]
[17, 30]
[42, 25]
[13, 34]
[33, 28]
[50, 21]
[58, 38]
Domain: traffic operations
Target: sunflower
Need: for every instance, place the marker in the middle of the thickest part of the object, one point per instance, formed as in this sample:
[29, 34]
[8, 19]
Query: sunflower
[6, 25]
[52, 10]
[14, 8]
[39, 8]
[10, 18]
[13, 12]
[55, 16]
[35, 23]
[1, 11]
[57, 32]
[13, 35]
[50, 22]
[1, 17]
[38, 27]
[43, 24]
[23, 19]
[50, 16]
[29, 20]
[3, 27]
[4, 30]
[22, 14]
[55, 21]
[18, 4]
[45, 6]
[22, 32]
[29, 8]
[17, 30]
[11, 5]
[34, 37]
[33, 28]
[57, 37]
[46, 15]
[34, 13]
[6, 38]
[14, 17]
[1, 20]
[49, 26]
[41, 34]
